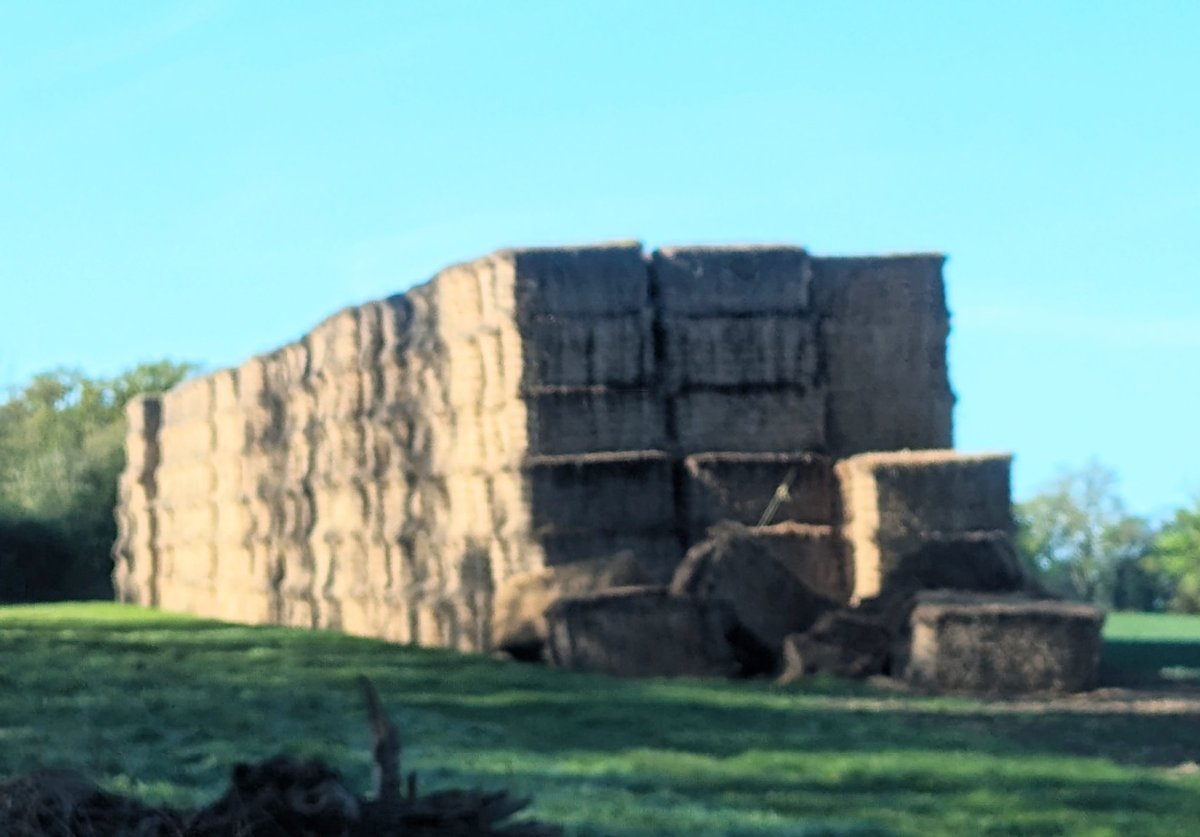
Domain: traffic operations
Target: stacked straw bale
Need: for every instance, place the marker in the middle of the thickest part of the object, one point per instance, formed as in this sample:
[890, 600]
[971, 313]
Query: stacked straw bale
[135, 553]
[884, 324]
[900, 507]
[739, 349]
[441, 466]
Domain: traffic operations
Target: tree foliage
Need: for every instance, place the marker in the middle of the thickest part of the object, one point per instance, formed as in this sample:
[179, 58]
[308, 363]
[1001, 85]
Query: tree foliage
[1079, 541]
[1176, 554]
[61, 451]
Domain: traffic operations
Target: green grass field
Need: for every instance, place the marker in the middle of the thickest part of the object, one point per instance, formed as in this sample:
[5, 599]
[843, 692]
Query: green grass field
[164, 705]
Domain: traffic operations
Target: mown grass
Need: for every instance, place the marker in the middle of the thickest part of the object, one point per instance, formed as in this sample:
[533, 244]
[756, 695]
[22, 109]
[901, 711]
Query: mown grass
[1141, 647]
[163, 705]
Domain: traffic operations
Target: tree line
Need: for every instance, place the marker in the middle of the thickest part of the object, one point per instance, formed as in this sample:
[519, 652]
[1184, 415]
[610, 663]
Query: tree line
[1079, 541]
[62, 449]
[62, 441]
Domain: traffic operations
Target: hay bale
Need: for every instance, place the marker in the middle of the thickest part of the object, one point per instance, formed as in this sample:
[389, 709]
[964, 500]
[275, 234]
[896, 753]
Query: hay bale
[610, 492]
[1012, 643]
[894, 290]
[658, 553]
[883, 335]
[570, 420]
[520, 627]
[591, 281]
[863, 417]
[558, 351]
[739, 487]
[750, 419]
[769, 349]
[766, 598]
[716, 281]
[518, 284]
[892, 502]
[814, 554]
[842, 643]
[641, 632]
[976, 561]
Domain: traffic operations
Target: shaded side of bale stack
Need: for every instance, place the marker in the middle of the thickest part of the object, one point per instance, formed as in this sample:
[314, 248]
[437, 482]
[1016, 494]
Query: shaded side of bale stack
[883, 331]
[738, 348]
[553, 455]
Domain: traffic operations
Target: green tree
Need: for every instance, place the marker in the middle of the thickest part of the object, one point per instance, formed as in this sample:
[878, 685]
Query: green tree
[1176, 554]
[61, 451]
[1078, 540]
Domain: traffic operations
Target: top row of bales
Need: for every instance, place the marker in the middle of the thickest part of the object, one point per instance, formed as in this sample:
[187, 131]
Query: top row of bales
[756, 349]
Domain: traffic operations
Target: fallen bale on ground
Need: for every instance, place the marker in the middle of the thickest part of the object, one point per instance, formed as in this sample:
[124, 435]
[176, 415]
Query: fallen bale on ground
[981, 643]
[842, 643]
[279, 797]
[522, 601]
[642, 632]
[767, 599]
[814, 554]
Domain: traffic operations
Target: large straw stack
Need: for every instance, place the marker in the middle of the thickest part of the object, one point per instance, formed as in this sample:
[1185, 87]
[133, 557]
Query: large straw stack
[411, 462]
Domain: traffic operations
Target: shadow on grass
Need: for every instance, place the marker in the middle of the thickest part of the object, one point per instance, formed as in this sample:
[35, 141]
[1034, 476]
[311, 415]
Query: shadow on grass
[1148, 662]
[176, 702]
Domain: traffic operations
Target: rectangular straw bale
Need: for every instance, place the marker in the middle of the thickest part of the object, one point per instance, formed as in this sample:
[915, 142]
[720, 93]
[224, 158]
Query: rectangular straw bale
[899, 357]
[894, 502]
[561, 351]
[750, 419]
[456, 295]
[593, 281]
[334, 343]
[187, 403]
[657, 554]
[776, 349]
[143, 416]
[469, 496]
[814, 554]
[571, 420]
[641, 632]
[880, 418]
[1005, 644]
[717, 281]
[740, 486]
[929, 491]
[337, 397]
[899, 290]
[225, 392]
[475, 373]
[617, 492]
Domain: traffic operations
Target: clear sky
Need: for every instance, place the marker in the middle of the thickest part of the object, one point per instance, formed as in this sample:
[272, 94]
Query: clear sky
[207, 180]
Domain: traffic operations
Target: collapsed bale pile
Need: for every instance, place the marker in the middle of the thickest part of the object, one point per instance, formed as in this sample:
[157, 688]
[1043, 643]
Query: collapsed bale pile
[279, 797]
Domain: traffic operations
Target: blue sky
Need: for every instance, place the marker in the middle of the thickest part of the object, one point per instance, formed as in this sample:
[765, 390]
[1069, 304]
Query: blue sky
[207, 180]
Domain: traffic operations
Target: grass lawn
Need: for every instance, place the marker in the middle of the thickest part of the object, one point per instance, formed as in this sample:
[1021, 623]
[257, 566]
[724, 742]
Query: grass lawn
[163, 705]
[1142, 646]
